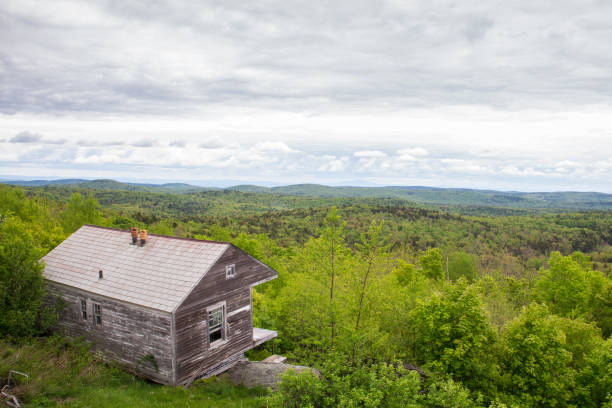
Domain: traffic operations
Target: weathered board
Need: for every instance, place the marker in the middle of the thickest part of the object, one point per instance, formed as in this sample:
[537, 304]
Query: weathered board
[171, 347]
[194, 355]
[130, 334]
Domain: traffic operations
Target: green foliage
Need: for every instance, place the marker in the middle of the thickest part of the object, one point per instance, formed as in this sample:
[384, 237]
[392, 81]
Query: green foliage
[535, 360]
[569, 289]
[382, 385]
[452, 335]
[22, 289]
[595, 378]
[431, 264]
[79, 211]
[148, 361]
[449, 394]
[405, 273]
[35, 215]
[349, 297]
[462, 264]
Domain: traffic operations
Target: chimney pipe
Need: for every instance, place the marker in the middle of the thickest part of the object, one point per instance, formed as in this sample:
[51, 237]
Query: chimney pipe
[134, 232]
[143, 237]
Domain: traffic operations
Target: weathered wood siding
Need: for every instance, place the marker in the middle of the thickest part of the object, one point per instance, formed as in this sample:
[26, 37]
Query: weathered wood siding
[128, 332]
[193, 353]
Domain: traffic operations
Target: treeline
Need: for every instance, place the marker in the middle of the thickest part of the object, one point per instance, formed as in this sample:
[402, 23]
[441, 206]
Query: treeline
[366, 315]
[396, 305]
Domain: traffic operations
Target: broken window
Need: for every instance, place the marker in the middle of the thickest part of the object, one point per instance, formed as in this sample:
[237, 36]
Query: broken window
[84, 309]
[216, 323]
[230, 271]
[97, 314]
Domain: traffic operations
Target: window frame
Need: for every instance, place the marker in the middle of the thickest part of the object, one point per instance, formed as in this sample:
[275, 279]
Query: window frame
[97, 314]
[83, 303]
[222, 325]
[229, 268]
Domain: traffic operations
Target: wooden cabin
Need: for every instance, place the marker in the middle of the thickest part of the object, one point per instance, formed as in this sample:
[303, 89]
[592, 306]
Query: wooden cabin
[172, 309]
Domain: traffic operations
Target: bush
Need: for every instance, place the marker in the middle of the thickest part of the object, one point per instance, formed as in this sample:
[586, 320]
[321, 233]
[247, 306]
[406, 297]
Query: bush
[449, 394]
[383, 385]
[535, 361]
[453, 336]
[22, 290]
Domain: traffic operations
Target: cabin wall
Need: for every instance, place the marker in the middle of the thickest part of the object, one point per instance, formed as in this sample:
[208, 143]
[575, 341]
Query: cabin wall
[193, 353]
[129, 334]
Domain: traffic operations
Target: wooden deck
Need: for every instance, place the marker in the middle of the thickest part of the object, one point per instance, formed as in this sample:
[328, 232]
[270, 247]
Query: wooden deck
[262, 335]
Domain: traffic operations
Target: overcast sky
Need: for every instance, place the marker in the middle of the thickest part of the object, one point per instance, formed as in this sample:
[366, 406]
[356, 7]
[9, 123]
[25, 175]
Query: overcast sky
[487, 94]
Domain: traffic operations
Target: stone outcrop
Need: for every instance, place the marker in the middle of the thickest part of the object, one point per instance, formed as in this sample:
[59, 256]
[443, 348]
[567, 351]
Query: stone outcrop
[261, 373]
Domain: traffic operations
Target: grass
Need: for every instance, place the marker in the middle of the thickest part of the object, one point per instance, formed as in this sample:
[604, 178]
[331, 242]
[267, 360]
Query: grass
[64, 374]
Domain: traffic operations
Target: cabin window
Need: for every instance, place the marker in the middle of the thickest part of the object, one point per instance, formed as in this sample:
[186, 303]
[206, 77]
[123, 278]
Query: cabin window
[97, 314]
[230, 271]
[216, 324]
[84, 309]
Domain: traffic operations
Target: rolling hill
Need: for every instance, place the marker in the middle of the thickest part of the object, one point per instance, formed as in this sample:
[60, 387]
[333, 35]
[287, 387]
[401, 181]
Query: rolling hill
[417, 194]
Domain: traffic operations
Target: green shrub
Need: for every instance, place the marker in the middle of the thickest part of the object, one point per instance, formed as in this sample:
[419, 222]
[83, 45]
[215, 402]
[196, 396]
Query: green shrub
[453, 336]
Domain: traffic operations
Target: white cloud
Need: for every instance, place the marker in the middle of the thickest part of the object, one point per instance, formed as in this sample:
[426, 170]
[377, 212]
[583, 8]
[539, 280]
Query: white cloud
[26, 137]
[143, 143]
[369, 153]
[524, 172]
[461, 165]
[524, 96]
[333, 164]
[274, 147]
[411, 153]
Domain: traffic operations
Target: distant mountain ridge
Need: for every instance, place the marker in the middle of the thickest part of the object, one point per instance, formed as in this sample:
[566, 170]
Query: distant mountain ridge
[416, 194]
[108, 184]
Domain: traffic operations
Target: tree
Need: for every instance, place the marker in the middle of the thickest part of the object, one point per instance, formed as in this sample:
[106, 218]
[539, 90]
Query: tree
[535, 360]
[431, 264]
[332, 237]
[452, 335]
[462, 264]
[22, 290]
[595, 378]
[314, 301]
[371, 247]
[571, 290]
[79, 211]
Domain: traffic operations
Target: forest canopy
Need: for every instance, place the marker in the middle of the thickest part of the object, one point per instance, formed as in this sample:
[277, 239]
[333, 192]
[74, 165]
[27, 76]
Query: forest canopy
[395, 303]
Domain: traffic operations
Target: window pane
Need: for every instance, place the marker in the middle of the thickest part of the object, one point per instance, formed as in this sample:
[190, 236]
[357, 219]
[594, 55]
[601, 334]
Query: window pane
[215, 324]
[230, 271]
[97, 314]
[214, 336]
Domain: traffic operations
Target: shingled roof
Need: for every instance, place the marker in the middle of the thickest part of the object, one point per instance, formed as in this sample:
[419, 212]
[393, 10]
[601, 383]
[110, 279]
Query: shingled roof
[158, 275]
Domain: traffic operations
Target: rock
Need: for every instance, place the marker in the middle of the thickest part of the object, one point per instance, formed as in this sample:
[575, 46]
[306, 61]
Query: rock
[275, 358]
[261, 373]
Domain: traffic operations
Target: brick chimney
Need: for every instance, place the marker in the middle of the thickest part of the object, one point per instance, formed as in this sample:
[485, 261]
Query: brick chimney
[134, 232]
[143, 237]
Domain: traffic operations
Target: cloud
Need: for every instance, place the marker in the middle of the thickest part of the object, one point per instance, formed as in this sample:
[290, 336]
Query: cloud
[415, 151]
[177, 143]
[212, 143]
[484, 93]
[143, 143]
[280, 147]
[369, 153]
[462, 165]
[524, 172]
[401, 55]
[92, 142]
[25, 137]
[334, 164]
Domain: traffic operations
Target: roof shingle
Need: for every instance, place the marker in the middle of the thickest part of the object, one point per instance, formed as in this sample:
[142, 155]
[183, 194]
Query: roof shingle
[157, 275]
